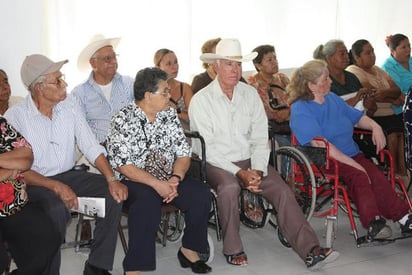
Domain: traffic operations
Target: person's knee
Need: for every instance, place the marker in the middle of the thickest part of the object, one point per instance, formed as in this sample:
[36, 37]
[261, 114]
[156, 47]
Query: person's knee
[229, 191]
[56, 211]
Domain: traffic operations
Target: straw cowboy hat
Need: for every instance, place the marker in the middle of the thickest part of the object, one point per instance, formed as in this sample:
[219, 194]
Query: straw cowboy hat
[228, 49]
[97, 42]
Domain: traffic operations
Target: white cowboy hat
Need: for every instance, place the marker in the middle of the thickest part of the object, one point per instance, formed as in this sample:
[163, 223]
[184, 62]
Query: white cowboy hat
[97, 42]
[228, 49]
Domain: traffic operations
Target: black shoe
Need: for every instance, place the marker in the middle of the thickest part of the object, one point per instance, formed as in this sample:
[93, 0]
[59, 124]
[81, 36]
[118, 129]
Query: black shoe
[378, 229]
[94, 270]
[407, 227]
[197, 267]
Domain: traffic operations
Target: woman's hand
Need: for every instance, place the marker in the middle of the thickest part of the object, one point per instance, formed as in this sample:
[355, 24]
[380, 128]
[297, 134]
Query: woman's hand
[168, 189]
[370, 105]
[399, 101]
[378, 138]
[8, 174]
[363, 93]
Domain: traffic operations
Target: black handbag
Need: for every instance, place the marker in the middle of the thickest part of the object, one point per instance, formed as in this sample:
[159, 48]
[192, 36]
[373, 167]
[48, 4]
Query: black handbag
[280, 128]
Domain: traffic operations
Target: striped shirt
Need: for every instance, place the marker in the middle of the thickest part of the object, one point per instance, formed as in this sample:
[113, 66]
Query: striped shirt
[54, 140]
[95, 106]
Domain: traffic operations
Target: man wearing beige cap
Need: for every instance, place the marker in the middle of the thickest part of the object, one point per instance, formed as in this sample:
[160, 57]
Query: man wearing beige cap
[230, 116]
[53, 124]
[105, 91]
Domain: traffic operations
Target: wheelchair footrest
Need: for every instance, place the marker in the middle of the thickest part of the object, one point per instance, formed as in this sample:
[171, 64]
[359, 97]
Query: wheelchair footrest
[365, 242]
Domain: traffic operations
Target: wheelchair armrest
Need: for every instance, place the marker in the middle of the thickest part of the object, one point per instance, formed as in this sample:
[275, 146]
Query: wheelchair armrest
[192, 134]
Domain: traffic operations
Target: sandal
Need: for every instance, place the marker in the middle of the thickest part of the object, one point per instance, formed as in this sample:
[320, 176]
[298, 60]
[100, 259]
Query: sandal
[319, 257]
[239, 259]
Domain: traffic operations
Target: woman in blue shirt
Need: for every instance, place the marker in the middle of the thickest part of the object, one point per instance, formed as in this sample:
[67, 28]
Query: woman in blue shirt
[316, 112]
[398, 65]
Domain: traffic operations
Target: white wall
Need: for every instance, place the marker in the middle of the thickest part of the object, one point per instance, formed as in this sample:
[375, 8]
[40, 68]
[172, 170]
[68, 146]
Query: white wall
[61, 28]
[21, 32]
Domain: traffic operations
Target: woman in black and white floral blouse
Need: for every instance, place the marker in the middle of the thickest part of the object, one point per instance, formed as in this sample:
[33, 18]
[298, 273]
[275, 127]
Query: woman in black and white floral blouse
[147, 146]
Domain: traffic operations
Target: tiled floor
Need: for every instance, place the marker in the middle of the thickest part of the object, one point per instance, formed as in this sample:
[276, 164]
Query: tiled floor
[268, 256]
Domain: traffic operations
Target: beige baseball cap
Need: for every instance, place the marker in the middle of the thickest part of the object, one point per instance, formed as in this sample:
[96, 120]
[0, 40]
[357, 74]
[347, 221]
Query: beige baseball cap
[36, 65]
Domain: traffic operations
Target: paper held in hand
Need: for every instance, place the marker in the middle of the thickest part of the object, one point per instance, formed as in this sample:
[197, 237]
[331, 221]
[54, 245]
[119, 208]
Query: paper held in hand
[91, 206]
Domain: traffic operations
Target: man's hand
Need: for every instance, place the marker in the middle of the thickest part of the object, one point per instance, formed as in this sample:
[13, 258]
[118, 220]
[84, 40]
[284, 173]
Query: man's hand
[251, 179]
[66, 194]
[118, 191]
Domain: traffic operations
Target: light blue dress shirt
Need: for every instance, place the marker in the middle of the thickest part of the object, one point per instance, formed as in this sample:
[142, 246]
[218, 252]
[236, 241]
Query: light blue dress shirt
[97, 110]
[54, 140]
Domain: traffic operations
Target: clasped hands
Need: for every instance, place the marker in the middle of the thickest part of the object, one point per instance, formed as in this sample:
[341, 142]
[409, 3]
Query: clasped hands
[251, 179]
[168, 189]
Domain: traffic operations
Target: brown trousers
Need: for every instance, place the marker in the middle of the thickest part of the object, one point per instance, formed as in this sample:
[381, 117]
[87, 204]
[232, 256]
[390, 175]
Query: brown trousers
[290, 217]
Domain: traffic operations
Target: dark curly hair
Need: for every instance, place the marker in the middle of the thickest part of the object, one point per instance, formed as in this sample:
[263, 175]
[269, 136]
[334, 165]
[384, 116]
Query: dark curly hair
[147, 80]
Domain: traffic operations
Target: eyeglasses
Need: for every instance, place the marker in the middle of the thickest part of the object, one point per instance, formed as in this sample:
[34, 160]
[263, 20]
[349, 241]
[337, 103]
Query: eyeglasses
[107, 58]
[60, 81]
[165, 93]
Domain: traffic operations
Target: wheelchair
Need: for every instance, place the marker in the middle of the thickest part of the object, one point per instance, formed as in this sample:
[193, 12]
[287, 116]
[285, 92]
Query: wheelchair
[321, 194]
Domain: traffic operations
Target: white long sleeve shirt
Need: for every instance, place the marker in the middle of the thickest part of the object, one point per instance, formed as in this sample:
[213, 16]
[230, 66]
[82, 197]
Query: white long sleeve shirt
[233, 130]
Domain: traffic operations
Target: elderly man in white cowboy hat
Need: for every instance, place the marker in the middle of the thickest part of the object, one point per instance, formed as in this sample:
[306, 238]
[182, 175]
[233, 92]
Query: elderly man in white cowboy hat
[101, 95]
[53, 124]
[230, 116]
[105, 91]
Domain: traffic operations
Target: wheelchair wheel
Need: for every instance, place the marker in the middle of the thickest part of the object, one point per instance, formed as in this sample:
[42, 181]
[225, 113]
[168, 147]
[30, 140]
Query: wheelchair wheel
[209, 255]
[283, 239]
[175, 226]
[253, 212]
[299, 176]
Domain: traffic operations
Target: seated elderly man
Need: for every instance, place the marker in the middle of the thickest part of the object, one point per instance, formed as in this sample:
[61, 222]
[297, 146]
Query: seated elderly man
[230, 116]
[105, 91]
[53, 124]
